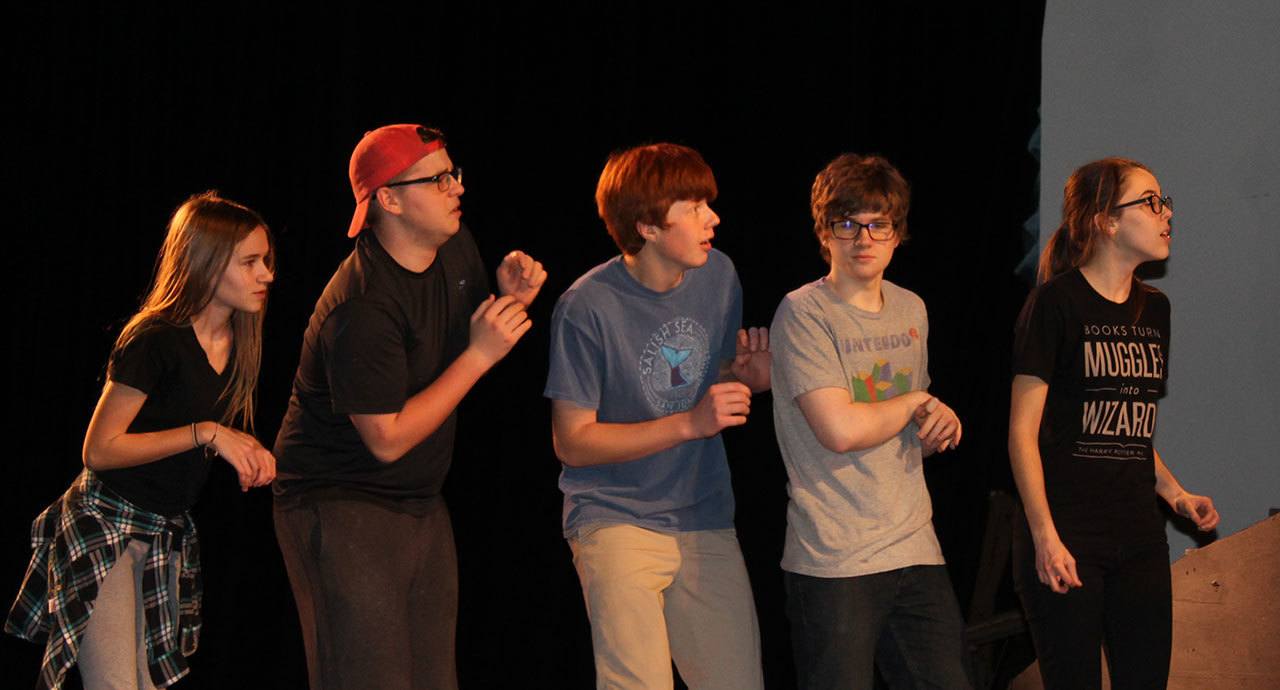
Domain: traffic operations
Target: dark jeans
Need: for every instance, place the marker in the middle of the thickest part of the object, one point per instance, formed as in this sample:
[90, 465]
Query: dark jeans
[905, 621]
[377, 593]
[1126, 602]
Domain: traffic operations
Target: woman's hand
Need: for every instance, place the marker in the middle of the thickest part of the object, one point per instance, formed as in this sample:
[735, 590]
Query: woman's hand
[1055, 565]
[1199, 509]
[254, 465]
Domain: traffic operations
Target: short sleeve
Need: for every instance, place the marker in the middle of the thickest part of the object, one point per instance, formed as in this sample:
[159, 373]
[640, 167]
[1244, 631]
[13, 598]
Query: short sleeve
[1161, 318]
[576, 365]
[804, 351]
[146, 360]
[478, 287]
[366, 364]
[927, 380]
[1168, 335]
[1038, 335]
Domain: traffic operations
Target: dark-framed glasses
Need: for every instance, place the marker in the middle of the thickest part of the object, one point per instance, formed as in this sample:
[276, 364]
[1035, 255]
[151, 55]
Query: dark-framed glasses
[1156, 203]
[848, 229]
[443, 181]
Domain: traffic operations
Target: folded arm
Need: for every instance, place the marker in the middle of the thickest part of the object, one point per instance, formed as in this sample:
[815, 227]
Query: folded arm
[842, 425]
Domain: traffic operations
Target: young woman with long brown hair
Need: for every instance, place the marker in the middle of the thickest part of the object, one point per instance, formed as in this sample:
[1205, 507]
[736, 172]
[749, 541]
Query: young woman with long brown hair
[1090, 354]
[113, 583]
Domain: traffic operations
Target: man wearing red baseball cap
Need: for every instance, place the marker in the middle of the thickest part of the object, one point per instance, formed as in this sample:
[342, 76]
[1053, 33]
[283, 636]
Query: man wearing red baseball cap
[403, 330]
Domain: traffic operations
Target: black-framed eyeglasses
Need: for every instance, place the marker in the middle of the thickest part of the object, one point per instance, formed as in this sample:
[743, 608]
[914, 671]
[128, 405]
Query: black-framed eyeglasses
[1156, 203]
[848, 229]
[443, 181]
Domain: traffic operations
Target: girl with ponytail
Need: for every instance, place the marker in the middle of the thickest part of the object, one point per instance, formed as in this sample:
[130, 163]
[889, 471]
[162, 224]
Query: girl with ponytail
[1091, 562]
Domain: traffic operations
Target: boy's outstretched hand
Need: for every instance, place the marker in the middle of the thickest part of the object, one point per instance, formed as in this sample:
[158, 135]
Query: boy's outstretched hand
[752, 360]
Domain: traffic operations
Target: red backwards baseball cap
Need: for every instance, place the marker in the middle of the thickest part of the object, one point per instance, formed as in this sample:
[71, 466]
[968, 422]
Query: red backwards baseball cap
[381, 155]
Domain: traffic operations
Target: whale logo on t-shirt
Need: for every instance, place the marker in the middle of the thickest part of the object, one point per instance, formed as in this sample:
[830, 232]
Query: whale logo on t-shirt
[674, 359]
[673, 364]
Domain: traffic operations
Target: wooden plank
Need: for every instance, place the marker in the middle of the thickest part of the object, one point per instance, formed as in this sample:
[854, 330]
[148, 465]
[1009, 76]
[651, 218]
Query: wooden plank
[1226, 612]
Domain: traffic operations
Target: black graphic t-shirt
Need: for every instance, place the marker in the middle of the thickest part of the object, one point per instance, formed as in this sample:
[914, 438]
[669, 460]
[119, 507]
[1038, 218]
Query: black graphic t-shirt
[1105, 364]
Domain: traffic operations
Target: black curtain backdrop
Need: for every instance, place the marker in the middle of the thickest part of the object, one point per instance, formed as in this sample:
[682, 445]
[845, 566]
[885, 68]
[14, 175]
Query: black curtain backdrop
[116, 115]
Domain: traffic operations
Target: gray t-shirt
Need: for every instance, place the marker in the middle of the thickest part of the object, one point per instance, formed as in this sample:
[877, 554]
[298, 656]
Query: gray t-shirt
[632, 355]
[865, 511]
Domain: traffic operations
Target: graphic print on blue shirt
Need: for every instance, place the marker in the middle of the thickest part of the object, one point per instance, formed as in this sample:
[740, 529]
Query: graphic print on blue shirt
[673, 363]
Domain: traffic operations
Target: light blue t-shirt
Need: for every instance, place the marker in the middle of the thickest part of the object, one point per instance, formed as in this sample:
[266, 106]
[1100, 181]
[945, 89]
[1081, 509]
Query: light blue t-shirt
[632, 355]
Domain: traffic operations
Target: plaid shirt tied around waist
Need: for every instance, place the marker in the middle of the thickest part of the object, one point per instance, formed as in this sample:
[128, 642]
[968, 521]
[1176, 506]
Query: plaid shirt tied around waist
[76, 541]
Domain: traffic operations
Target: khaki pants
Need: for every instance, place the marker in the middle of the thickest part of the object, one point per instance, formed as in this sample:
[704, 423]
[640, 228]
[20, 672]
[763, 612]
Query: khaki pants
[654, 597]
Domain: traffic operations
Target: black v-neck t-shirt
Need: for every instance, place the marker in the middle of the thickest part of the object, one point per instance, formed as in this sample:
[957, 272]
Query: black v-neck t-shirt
[167, 363]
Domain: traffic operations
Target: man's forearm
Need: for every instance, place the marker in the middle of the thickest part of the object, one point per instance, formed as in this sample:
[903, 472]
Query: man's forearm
[390, 436]
[843, 426]
[604, 443]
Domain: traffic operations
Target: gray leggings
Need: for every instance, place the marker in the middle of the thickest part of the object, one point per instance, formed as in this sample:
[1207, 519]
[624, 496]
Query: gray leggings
[113, 651]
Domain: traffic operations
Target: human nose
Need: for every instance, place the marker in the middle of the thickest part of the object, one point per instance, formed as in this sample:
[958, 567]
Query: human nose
[266, 274]
[713, 218]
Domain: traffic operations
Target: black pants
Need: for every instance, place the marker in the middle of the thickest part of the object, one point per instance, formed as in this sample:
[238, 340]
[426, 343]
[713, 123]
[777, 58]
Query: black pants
[906, 620]
[1126, 603]
[377, 593]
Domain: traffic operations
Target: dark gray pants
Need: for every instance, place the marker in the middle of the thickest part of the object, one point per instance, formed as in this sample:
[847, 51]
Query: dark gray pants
[377, 593]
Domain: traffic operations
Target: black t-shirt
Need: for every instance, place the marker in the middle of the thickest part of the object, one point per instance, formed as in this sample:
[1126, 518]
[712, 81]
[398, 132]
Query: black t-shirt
[1105, 366]
[379, 335]
[167, 363]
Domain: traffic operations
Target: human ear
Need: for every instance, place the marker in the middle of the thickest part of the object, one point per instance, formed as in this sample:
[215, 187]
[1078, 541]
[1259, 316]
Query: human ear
[1105, 222]
[387, 200]
[646, 231]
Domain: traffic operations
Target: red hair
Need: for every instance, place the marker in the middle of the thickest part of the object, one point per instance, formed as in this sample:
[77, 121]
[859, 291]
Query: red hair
[640, 184]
